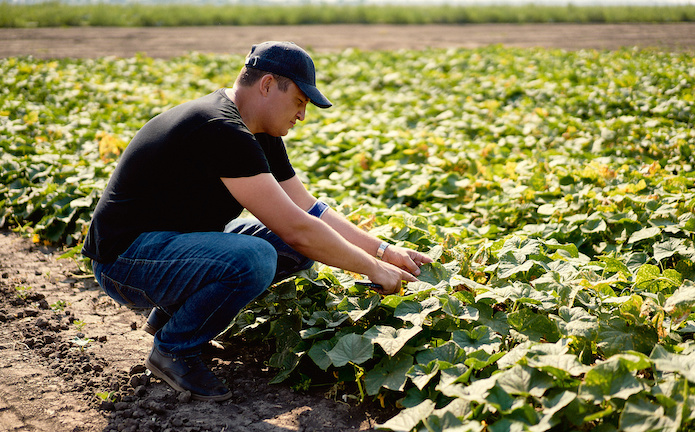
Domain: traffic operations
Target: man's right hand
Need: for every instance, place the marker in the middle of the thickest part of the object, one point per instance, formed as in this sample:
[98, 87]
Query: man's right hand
[390, 278]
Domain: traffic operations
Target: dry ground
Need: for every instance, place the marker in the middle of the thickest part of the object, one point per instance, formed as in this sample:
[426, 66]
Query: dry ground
[62, 341]
[168, 42]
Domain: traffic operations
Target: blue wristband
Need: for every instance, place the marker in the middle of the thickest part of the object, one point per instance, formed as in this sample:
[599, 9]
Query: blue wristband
[318, 209]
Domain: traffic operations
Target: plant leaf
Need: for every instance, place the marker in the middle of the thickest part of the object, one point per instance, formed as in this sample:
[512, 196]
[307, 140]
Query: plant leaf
[416, 312]
[641, 415]
[319, 353]
[390, 373]
[356, 308]
[351, 348]
[390, 339]
[524, 381]
[409, 418]
[421, 375]
[481, 337]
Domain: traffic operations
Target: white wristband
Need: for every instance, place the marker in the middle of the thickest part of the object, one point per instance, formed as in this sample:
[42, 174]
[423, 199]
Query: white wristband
[381, 250]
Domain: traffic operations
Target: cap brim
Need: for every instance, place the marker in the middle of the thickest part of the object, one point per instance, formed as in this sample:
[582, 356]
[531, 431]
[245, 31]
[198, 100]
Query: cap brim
[314, 95]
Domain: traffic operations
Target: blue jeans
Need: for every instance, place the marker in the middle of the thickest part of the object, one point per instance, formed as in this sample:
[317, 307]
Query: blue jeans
[202, 280]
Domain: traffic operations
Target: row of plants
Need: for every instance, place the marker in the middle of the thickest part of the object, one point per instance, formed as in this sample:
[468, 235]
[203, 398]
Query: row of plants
[59, 14]
[554, 190]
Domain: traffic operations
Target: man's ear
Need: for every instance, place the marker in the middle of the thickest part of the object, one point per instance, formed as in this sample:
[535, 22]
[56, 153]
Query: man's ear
[265, 83]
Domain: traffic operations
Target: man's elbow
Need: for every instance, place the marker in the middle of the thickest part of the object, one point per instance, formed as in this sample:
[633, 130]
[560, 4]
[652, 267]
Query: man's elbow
[299, 238]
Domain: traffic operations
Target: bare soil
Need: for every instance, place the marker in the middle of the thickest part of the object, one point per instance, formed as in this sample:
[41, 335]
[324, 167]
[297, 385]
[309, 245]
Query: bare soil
[167, 42]
[63, 342]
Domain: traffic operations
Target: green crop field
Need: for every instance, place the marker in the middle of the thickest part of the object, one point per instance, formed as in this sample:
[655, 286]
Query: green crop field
[554, 189]
[57, 14]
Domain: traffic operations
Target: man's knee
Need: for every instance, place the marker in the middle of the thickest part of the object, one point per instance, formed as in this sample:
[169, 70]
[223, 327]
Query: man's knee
[261, 262]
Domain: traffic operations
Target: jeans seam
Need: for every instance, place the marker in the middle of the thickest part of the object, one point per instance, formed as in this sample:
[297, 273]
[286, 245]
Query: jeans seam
[207, 319]
[117, 286]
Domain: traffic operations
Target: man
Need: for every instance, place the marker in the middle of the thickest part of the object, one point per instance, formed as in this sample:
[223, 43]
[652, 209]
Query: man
[161, 234]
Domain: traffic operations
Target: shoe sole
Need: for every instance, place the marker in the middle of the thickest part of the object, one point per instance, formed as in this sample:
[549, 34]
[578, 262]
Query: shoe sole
[159, 374]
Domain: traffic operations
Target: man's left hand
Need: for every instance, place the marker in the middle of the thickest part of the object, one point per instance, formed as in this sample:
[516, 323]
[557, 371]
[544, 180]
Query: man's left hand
[406, 259]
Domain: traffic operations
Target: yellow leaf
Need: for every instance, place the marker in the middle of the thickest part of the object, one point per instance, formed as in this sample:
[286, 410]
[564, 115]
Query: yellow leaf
[110, 147]
[31, 117]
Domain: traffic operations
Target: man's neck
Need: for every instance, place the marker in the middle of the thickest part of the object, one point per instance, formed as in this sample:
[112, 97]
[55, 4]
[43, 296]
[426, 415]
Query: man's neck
[240, 99]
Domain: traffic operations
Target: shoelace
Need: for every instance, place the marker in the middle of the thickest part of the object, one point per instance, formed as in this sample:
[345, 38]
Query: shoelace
[195, 363]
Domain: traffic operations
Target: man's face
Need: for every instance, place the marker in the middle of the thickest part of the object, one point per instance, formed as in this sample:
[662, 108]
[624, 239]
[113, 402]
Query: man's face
[285, 108]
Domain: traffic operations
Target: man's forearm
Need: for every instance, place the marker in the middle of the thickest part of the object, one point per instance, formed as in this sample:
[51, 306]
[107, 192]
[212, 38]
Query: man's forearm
[351, 232]
[320, 241]
[405, 259]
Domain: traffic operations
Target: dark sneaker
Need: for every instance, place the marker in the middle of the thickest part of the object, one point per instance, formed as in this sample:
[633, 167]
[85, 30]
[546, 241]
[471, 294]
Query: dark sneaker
[155, 321]
[187, 374]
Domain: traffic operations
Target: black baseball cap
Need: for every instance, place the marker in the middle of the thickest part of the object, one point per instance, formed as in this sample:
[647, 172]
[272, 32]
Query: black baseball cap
[288, 60]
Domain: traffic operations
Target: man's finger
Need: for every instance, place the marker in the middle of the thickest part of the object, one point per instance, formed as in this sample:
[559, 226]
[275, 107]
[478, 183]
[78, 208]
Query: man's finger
[409, 278]
[420, 259]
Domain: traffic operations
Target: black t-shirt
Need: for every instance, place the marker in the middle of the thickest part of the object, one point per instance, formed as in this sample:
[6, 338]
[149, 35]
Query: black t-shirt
[168, 178]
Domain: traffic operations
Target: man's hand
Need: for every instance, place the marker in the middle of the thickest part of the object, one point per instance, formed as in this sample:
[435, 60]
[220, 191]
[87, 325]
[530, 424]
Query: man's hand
[398, 264]
[389, 277]
[406, 259]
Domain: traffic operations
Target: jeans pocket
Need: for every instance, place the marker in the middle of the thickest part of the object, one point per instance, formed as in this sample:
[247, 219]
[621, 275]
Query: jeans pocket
[126, 294]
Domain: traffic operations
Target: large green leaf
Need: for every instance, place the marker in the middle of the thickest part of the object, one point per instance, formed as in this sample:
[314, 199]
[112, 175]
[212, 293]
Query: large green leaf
[391, 339]
[616, 335]
[561, 366]
[650, 278]
[351, 348]
[433, 273]
[326, 318]
[449, 352]
[319, 353]
[552, 406]
[511, 264]
[669, 362]
[612, 379]
[669, 248]
[416, 312]
[449, 422]
[594, 225]
[421, 375]
[286, 361]
[407, 419]
[454, 307]
[481, 337]
[356, 307]
[576, 322]
[524, 381]
[644, 233]
[641, 415]
[534, 325]
[480, 359]
[390, 373]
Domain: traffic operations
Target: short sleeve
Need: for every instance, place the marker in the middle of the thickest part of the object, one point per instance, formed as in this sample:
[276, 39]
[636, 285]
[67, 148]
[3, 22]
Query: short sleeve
[228, 151]
[276, 154]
